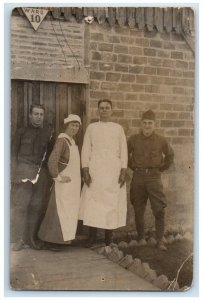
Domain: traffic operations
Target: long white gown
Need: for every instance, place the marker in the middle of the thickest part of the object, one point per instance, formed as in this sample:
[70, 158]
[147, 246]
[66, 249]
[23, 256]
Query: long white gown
[104, 152]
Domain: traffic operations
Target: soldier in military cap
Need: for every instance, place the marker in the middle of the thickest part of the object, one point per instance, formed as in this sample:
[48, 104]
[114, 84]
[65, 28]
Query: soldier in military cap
[149, 155]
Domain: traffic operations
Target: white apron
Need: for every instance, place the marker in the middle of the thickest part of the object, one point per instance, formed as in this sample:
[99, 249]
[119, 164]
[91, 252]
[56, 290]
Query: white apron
[104, 203]
[68, 194]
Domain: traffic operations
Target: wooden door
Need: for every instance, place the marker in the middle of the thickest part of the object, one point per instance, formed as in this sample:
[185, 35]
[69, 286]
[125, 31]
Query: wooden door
[59, 99]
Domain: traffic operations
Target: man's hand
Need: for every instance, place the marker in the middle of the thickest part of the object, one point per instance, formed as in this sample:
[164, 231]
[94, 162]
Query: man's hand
[86, 176]
[122, 177]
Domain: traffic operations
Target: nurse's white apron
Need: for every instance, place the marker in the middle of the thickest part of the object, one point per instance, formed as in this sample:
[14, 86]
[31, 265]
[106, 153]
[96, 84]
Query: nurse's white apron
[104, 203]
[68, 194]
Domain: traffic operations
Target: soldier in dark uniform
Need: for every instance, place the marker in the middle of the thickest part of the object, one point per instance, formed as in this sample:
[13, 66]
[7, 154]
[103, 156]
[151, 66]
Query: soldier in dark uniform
[149, 155]
[30, 178]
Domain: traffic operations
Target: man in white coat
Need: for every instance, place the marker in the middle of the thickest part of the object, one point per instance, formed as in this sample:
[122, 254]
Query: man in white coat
[104, 164]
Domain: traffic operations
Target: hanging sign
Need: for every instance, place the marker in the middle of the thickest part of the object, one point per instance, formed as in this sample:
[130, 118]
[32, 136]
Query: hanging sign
[35, 15]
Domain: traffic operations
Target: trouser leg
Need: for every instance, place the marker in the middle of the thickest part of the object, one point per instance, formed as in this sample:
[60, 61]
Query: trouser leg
[19, 213]
[158, 204]
[37, 208]
[138, 197]
[108, 236]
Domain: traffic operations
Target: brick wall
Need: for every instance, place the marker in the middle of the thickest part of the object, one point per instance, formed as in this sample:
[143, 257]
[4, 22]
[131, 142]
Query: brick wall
[140, 70]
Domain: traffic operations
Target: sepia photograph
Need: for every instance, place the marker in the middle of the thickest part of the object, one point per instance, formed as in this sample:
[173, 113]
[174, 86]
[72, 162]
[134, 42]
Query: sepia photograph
[102, 148]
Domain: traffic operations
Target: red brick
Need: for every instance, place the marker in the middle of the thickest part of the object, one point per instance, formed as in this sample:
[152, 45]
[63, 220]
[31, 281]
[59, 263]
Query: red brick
[118, 113]
[124, 87]
[121, 30]
[105, 66]
[175, 73]
[152, 89]
[122, 58]
[113, 77]
[171, 115]
[149, 52]
[128, 78]
[142, 42]
[178, 90]
[150, 70]
[135, 69]
[156, 62]
[97, 75]
[143, 79]
[121, 67]
[157, 80]
[113, 39]
[168, 45]
[94, 85]
[184, 132]
[137, 60]
[170, 81]
[166, 106]
[162, 54]
[168, 63]
[135, 50]
[171, 132]
[189, 74]
[163, 71]
[117, 96]
[97, 36]
[108, 57]
[178, 123]
[177, 55]
[136, 123]
[177, 37]
[131, 96]
[105, 47]
[166, 123]
[184, 115]
[165, 36]
[145, 97]
[96, 55]
[156, 44]
[99, 94]
[93, 46]
[191, 66]
[181, 64]
[152, 106]
[150, 34]
[138, 88]
[121, 49]
[127, 40]
[108, 86]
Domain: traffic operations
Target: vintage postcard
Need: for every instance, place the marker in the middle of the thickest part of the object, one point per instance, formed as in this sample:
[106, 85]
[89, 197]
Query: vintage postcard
[102, 148]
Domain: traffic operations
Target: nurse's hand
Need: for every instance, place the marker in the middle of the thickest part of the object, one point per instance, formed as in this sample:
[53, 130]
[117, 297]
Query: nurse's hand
[86, 176]
[65, 179]
[122, 177]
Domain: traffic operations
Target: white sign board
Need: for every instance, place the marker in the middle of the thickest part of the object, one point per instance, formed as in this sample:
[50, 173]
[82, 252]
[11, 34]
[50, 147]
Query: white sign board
[35, 15]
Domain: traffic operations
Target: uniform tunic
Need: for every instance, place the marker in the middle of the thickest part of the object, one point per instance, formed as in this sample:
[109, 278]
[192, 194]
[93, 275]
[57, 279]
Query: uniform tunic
[29, 200]
[104, 152]
[60, 222]
[148, 157]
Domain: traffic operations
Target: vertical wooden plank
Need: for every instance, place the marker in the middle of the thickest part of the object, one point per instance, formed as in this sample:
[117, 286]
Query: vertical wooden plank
[149, 18]
[26, 107]
[140, 17]
[14, 108]
[121, 15]
[192, 20]
[36, 92]
[49, 99]
[101, 15]
[111, 16]
[168, 20]
[130, 11]
[56, 12]
[159, 18]
[57, 104]
[20, 103]
[177, 19]
[67, 13]
[69, 100]
[79, 14]
[41, 92]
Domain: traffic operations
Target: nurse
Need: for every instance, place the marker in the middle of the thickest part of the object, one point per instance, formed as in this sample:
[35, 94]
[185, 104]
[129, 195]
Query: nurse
[61, 218]
[104, 163]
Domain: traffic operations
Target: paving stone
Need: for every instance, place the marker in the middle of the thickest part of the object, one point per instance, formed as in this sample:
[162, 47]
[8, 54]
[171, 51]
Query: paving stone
[123, 245]
[178, 237]
[162, 282]
[142, 270]
[170, 239]
[100, 250]
[151, 275]
[188, 236]
[135, 264]
[107, 250]
[115, 255]
[113, 245]
[126, 261]
[151, 241]
[133, 243]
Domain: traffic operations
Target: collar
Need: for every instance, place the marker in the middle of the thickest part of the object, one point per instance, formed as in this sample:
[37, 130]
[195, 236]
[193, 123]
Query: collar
[147, 137]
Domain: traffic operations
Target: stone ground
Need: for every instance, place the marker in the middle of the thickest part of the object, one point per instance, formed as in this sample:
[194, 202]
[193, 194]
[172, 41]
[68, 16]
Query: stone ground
[74, 268]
